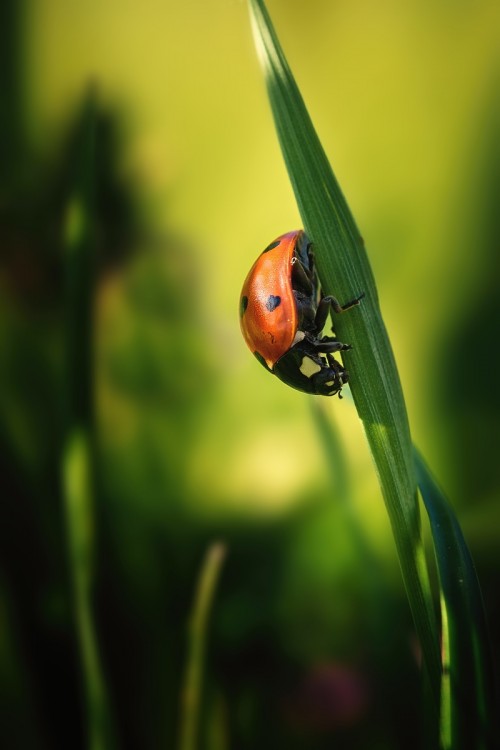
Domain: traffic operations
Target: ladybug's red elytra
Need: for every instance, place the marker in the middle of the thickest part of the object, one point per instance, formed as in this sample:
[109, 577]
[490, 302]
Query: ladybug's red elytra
[282, 316]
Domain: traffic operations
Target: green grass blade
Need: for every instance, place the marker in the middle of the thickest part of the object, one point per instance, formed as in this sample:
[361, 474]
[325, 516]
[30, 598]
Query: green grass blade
[467, 686]
[197, 635]
[78, 451]
[345, 272]
[78, 496]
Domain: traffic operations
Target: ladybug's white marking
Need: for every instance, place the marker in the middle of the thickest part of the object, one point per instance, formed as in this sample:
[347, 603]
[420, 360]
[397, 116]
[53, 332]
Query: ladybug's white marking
[309, 367]
[299, 336]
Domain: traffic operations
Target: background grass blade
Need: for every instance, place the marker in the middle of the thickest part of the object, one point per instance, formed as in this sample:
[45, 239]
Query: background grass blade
[195, 661]
[467, 686]
[78, 452]
[345, 272]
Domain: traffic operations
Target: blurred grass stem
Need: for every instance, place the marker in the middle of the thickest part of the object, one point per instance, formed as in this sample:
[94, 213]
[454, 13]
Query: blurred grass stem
[197, 636]
[78, 453]
[77, 486]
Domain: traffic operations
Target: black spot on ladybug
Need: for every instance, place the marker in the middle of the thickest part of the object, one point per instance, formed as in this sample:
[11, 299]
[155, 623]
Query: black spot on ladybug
[271, 246]
[273, 301]
[243, 305]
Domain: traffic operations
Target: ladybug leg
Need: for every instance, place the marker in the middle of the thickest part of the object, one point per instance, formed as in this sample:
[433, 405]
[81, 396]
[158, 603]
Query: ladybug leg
[342, 373]
[337, 366]
[331, 345]
[322, 313]
[330, 379]
[325, 345]
[328, 303]
[301, 278]
[338, 308]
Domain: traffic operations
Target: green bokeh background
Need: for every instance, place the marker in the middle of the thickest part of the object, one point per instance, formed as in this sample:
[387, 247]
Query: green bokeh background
[311, 640]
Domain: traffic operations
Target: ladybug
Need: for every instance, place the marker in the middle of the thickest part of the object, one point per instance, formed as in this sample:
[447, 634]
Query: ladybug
[282, 316]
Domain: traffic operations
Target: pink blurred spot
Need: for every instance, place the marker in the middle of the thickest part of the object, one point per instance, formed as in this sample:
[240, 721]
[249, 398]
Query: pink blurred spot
[330, 695]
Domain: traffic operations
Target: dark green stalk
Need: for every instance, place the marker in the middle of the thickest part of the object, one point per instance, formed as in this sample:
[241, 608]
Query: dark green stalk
[78, 453]
[468, 684]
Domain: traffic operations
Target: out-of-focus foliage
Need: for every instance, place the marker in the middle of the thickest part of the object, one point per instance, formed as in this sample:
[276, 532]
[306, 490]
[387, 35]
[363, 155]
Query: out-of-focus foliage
[309, 644]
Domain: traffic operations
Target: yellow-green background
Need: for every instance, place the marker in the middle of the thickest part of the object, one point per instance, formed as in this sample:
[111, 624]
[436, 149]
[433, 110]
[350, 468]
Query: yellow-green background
[405, 97]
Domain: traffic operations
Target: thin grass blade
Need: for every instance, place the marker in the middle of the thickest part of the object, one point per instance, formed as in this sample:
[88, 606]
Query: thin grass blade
[345, 272]
[191, 698]
[467, 685]
[78, 452]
